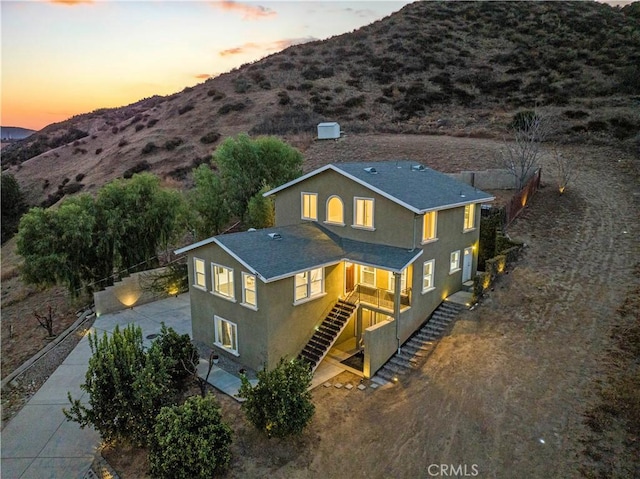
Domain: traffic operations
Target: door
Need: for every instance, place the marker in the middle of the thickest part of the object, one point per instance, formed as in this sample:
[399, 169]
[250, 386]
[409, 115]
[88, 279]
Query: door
[349, 277]
[467, 264]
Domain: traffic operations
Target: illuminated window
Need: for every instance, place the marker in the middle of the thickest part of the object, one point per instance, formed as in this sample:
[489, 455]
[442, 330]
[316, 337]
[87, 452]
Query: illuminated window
[368, 275]
[469, 217]
[309, 284]
[335, 212]
[249, 297]
[455, 262]
[223, 281]
[199, 277]
[429, 226]
[428, 267]
[403, 281]
[226, 334]
[363, 214]
[309, 206]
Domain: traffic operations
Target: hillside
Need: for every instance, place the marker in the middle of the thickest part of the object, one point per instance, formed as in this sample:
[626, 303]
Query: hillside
[453, 68]
[14, 132]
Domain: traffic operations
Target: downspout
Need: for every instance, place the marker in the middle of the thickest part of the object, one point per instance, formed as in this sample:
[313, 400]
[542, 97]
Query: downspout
[397, 277]
[415, 217]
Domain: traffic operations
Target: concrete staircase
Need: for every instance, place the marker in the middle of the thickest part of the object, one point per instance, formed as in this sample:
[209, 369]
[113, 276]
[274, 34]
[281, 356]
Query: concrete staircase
[327, 333]
[419, 345]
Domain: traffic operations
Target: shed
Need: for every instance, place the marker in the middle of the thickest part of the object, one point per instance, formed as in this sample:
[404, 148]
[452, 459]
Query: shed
[328, 131]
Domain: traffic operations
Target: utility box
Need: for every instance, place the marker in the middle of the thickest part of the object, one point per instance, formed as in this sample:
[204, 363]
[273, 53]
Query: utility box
[328, 131]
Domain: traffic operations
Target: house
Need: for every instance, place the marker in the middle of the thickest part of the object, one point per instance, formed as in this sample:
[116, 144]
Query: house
[361, 254]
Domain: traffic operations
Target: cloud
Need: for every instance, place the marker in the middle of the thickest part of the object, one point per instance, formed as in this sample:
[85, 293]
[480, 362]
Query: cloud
[202, 76]
[250, 12]
[268, 47]
[70, 2]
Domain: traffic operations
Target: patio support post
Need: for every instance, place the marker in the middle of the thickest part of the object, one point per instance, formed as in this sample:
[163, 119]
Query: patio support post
[397, 282]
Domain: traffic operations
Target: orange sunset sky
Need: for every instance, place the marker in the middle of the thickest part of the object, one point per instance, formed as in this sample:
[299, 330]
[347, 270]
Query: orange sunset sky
[65, 57]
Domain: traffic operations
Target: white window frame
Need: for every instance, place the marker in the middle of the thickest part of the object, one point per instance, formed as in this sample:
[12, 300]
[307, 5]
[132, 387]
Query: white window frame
[199, 275]
[245, 289]
[433, 234]
[330, 221]
[469, 217]
[232, 346]
[454, 262]
[306, 283]
[428, 275]
[363, 224]
[363, 272]
[403, 281]
[231, 296]
[312, 206]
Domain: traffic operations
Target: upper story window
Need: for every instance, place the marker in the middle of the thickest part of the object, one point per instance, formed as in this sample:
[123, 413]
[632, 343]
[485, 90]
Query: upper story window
[429, 226]
[309, 284]
[335, 210]
[363, 213]
[310, 206]
[199, 277]
[454, 263]
[223, 281]
[249, 297]
[428, 268]
[469, 217]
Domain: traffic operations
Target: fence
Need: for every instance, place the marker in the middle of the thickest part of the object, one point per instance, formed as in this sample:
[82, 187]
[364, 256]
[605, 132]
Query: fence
[522, 197]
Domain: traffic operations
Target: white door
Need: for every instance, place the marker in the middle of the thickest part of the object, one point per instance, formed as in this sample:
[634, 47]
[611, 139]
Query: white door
[467, 264]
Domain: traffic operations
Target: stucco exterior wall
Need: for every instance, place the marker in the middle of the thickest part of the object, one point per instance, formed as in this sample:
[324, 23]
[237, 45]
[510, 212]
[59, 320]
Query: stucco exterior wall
[127, 293]
[380, 344]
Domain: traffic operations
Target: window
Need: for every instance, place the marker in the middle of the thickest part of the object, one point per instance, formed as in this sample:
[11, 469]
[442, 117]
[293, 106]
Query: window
[403, 281]
[226, 334]
[249, 297]
[429, 226]
[368, 275]
[335, 210]
[469, 217]
[199, 278]
[428, 268]
[309, 284]
[223, 281]
[363, 214]
[309, 206]
[455, 262]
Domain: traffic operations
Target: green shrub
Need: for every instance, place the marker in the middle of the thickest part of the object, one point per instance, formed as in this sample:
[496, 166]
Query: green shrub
[190, 441]
[280, 404]
[182, 354]
[241, 85]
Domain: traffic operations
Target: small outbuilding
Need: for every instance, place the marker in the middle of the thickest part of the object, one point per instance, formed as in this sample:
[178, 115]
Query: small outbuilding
[328, 131]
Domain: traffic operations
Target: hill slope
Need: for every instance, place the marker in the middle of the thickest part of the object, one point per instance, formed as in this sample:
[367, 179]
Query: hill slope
[457, 68]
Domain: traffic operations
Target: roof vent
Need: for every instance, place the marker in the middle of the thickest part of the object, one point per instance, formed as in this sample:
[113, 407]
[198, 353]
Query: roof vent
[371, 170]
[275, 236]
[252, 229]
[418, 168]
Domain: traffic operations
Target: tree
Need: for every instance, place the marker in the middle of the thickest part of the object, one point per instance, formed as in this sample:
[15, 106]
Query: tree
[126, 386]
[260, 210]
[208, 203]
[246, 164]
[181, 353]
[13, 206]
[280, 404]
[522, 155]
[190, 441]
[566, 171]
[46, 321]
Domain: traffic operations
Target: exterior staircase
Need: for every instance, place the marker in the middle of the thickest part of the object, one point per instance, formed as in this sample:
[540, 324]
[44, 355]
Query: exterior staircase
[327, 333]
[419, 344]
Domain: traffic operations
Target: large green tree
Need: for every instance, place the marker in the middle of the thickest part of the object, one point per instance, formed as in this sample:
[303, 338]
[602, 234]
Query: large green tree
[208, 203]
[13, 206]
[261, 211]
[247, 164]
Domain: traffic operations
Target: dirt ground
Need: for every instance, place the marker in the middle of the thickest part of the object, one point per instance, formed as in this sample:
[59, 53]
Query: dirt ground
[504, 394]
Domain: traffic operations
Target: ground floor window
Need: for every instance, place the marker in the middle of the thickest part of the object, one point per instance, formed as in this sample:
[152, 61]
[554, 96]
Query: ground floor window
[455, 262]
[226, 334]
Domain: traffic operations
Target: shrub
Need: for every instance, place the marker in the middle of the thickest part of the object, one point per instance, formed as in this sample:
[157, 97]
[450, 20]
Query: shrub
[152, 122]
[173, 143]
[355, 101]
[283, 98]
[178, 349]
[149, 148]
[122, 143]
[280, 404]
[215, 94]
[72, 188]
[182, 110]
[98, 151]
[190, 441]
[210, 137]
[139, 167]
[241, 85]
[114, 130]
[229, 107]
[139, 127]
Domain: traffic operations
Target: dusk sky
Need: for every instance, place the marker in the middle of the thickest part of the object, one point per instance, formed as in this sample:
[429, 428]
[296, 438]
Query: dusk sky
[65, 57]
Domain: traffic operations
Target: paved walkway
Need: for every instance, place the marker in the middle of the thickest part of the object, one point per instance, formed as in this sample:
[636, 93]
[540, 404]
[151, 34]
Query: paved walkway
[39, 443]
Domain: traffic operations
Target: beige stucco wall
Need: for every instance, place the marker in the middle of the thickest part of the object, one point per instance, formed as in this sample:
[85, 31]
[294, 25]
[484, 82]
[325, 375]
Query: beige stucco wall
[380, 344]
[127, 293]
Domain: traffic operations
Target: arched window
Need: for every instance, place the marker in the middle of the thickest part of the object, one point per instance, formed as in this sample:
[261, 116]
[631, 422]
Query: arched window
[335, 210]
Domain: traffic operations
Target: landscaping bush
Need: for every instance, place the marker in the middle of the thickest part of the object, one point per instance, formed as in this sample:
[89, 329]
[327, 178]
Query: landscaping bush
[178, 349]
[190, 441]
[280, 404]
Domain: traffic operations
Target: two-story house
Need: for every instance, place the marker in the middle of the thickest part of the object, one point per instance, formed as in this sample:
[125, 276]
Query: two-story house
[361, 252]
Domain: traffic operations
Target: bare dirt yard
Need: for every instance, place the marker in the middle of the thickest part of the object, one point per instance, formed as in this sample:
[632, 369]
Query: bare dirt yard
[507, 392]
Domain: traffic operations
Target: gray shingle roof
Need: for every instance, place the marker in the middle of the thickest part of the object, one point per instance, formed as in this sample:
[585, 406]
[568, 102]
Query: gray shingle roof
[302, 247]
[407, 183]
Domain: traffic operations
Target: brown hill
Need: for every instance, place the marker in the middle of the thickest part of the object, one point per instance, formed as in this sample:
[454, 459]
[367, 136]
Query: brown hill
[455, 68]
